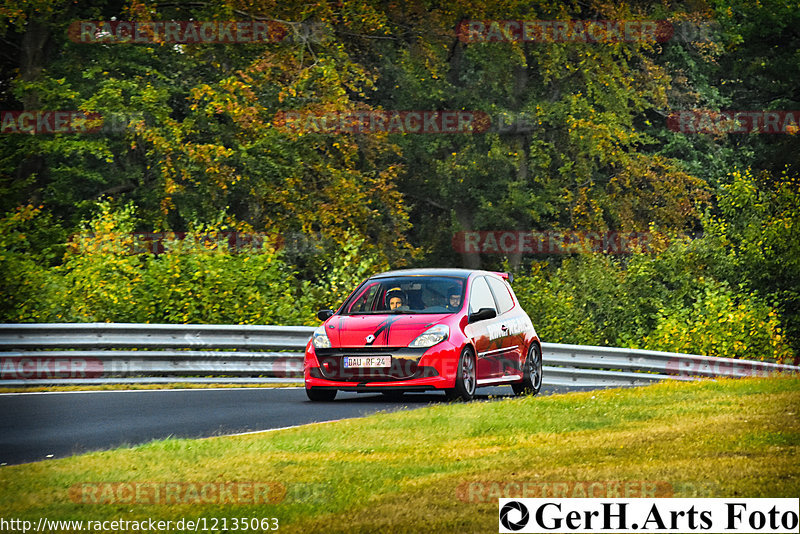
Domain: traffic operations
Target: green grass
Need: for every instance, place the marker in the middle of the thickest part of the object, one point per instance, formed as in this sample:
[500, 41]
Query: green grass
[405, 471]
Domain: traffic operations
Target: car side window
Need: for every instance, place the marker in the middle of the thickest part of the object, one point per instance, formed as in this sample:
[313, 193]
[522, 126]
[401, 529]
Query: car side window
[480, 296]
[364, 301]
[501, 294]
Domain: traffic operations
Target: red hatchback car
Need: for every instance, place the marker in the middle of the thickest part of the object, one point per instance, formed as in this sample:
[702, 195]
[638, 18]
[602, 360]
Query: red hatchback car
[425, 329]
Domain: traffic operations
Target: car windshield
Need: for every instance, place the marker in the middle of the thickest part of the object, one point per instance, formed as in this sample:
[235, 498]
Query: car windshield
[407, 294]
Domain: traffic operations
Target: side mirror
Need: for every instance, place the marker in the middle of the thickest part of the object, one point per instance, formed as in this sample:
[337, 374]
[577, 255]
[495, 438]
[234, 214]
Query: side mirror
[482, 315]
[324, 315]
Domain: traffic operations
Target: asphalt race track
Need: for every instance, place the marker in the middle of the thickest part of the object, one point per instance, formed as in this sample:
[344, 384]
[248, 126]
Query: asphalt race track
[38, 426]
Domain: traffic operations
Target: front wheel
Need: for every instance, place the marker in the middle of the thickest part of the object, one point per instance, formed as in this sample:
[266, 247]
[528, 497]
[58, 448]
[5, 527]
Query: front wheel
[466, 377]
[320, 395]
[531, 373]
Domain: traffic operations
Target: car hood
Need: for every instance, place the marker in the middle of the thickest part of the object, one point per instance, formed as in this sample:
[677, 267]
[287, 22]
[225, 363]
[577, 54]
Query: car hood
[387, 330]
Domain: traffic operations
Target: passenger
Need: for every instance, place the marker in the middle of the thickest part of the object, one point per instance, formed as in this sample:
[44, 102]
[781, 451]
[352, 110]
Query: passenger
[454, 298]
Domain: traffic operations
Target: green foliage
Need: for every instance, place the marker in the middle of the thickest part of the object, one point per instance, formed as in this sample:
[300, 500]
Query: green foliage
[659, 302]
[720, 323]
[755, 230]
[107, 276]
[571, 305]
[25, 284]
[347, 267]
[569, 152]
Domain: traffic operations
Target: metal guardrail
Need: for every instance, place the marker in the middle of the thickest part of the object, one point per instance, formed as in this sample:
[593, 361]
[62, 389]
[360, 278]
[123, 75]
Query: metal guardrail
[119, 353]
[152, 336]
[610, 366]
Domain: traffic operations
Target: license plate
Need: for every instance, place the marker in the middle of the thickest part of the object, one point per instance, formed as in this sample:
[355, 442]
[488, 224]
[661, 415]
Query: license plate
[367, 361]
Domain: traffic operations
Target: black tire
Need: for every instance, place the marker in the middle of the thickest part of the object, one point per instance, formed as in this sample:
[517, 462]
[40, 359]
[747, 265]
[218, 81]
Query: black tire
[531, 372]
[466, 377]
[320, 395]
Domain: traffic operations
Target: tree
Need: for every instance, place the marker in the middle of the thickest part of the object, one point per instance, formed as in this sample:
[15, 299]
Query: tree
[568, 153]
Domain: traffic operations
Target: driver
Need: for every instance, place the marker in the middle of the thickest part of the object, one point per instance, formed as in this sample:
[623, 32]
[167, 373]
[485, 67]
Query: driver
[396, 298]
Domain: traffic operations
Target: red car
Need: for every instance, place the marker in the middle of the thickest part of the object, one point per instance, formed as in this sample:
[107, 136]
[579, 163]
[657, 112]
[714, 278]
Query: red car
[425, 329]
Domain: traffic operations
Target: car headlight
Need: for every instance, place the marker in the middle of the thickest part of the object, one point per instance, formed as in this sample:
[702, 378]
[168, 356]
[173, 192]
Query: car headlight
[320, 339]
[431, 336]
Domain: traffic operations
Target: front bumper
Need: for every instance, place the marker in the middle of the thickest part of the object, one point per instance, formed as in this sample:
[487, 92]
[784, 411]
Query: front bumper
[411, 369]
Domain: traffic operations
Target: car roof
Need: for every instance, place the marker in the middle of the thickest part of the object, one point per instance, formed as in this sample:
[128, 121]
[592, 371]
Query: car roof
[439, 271]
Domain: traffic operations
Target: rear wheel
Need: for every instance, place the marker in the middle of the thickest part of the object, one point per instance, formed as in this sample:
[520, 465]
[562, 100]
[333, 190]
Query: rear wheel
[320, 395]
[466, 378]
[531, 373]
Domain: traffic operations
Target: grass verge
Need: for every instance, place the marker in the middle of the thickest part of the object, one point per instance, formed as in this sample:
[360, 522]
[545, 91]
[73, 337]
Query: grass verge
[407, 471]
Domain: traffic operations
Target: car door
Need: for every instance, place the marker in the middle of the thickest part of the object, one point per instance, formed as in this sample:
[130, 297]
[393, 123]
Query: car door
[485, 333]
[512, 327]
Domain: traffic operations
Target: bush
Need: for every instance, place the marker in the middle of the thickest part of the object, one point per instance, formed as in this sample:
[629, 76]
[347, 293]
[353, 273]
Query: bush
[666, 301]
[26, 283]
[106, 278]
[574, 304]
[755, 231]
[675, 300]
[721, 324]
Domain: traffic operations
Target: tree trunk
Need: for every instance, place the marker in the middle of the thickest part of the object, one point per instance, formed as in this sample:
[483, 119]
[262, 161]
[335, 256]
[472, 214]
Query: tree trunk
[32, 61]
[470, 260]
